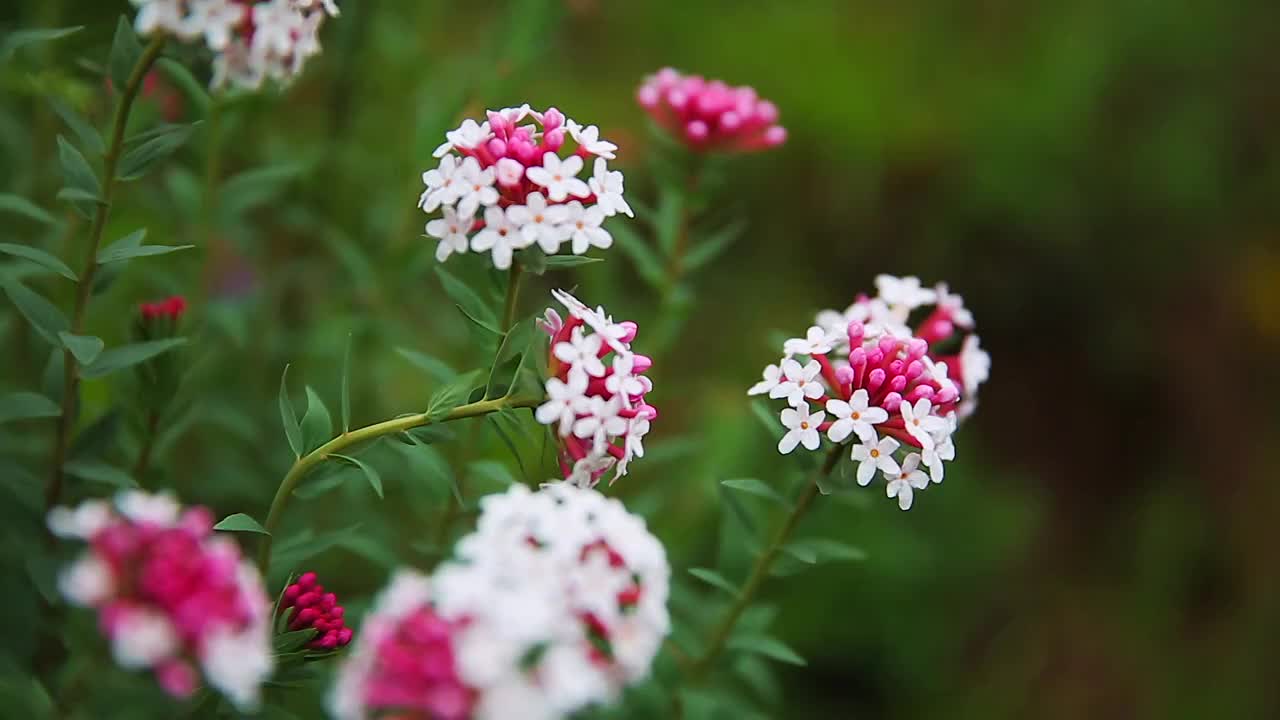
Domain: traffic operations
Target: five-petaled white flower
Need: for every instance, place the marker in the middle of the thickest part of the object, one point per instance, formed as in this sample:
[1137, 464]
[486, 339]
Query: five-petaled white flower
[475, 187]
[587, 471]
[624, 381]
[582, 227]
[582, 351]
[872, 455]
[559, 177]
[772, 376]
[606, 185]
[798, 383]
[633, 443]
[920, 423]
[601, 422]
[904, 292]
[500, 235]
[588, 138]
[816, 341]
[943, 449]
[938, 371]
[565, 401]
[452, 232]
[443, 184]
[802, 429]
[468, 135]
[909, 479]
[854, 416]
[539, 222]
[216, 20]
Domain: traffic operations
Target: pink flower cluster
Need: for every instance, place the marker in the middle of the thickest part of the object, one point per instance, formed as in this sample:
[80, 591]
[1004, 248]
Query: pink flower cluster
[171, 308]
[170, 595]
[595, 392]
[709, 114]
[314, 608]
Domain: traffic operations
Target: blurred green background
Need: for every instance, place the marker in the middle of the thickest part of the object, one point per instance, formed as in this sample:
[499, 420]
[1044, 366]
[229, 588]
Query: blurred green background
[1099, 179]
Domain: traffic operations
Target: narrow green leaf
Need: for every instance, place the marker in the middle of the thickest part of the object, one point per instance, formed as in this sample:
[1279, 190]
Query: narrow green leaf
[119, 358]
[117, 254]
[346, 386]
[315, 487]
[561, 262]
[88, 135]
[426, 435]
[755, 487]
[100, 472]
[467, 300]
[125, 51]
[77, 173]
[39, 257]
[766, 646]
[254, 188]
[532, 259]
[647, 263]
[483, 325]
[19, 205]
[824, 550]
[317, 424]
[84, 348]
[82, 199]
[139, 159]
[498, 420]
[288, 642]
[43, 315]
[27, 406]
[15, 41]
[370, 474]
[714, 579]
[240, 522]
[452, 395]
[715, 245]
[287, 416]
[802, 553]
[432, 366]
[669, 221]
[508, 359]
[186, 82]
[767, 417]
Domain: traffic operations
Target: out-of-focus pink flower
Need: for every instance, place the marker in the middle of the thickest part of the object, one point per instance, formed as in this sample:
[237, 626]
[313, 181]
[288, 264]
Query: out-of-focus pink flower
[709, 114]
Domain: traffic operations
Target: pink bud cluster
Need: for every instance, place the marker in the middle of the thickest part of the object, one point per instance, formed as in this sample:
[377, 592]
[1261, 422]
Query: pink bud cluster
[709, 114]
[171, 309]
[309, 606]
[170, 594]
[596, 392]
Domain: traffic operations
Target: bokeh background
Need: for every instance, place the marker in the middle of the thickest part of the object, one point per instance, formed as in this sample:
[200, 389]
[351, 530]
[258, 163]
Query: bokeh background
[1099, 179]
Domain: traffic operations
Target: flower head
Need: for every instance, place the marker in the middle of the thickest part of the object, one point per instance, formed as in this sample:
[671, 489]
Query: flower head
[170, 595]
[710, 115]
[596, 392]
[306, 605]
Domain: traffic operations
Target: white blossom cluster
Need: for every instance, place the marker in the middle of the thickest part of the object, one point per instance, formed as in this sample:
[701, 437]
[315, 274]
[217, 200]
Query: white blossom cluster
[252, 41]
[504, 184]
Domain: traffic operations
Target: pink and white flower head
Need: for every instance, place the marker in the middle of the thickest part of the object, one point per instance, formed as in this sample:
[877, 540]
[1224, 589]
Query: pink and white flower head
[595, 392]
[710, 115]
[865, 378]
[171, 595]
[556, 602]
[516, 179]
[252, 41]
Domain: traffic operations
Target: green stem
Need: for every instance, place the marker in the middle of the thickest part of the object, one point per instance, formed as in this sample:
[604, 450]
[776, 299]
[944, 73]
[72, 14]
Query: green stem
[70, 375]
[513, 296]
[760, 571]
[148, 444]
[308, 462]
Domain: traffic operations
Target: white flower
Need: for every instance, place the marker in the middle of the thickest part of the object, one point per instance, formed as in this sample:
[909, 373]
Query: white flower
[975, 364]
[953, 304]
[550, 322]
[559, 177]
[87, 582]
[141, 507]
[904, 292]
[451, 231]
[582, 352]
[500, 235]
[601, 422]
[164, 15]
[772, 375]
[82, 522]
[938, 371]
[237, 663]
[920, 423]
[907, 481]
[330, 6]
[216, 20]
[802, 429]
[509, 172]
[816, 341]
[582, 227]
[606, 185]
[444, 184]
[624, 381]
[539, 223]
[798, 382]
[142, 638]
[854, 416]
[587, 471]
[872, 455]
[589, 139]
[633, 443]
[468, 135]
[475, 187]
[942, 449]
[565, 401]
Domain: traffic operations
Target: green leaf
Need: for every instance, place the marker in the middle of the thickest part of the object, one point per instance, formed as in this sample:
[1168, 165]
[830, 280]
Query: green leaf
[467, 300]
[76, 171]
[43, 315]
[432, 366]
[100, 472]
[84, 348]
[315, 487]
[346, 386]
[15, 41]
[452, 395]
[117, 254]
[317, 424]
[294, 640]
[507, 418]
[82, 199]
[766, 646]
[561, 262]
[647, 263]
[240, 522]
[26, 406]
[88, 135]
[532, 259]
[755, 487]
[767, 417]
[802, 553]
[508, 360]
[21, 206]
[427, 435]
[670, 219]
[287, 416]
[823, 550]
[370, 474]
[119, 358]
[714, 579]
[125, 51]
[139, 159]
[483, 325]
[39, 257]
[253, 188]
[711, 248]
[186, 82]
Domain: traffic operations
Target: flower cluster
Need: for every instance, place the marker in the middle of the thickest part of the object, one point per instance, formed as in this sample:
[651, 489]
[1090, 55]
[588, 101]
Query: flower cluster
[514, 185]
[313, 608]
[595, 392]
[251, 41]
[170, 309]
[868, 375]
[710, 115]
[170, 595]
[557, 601]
